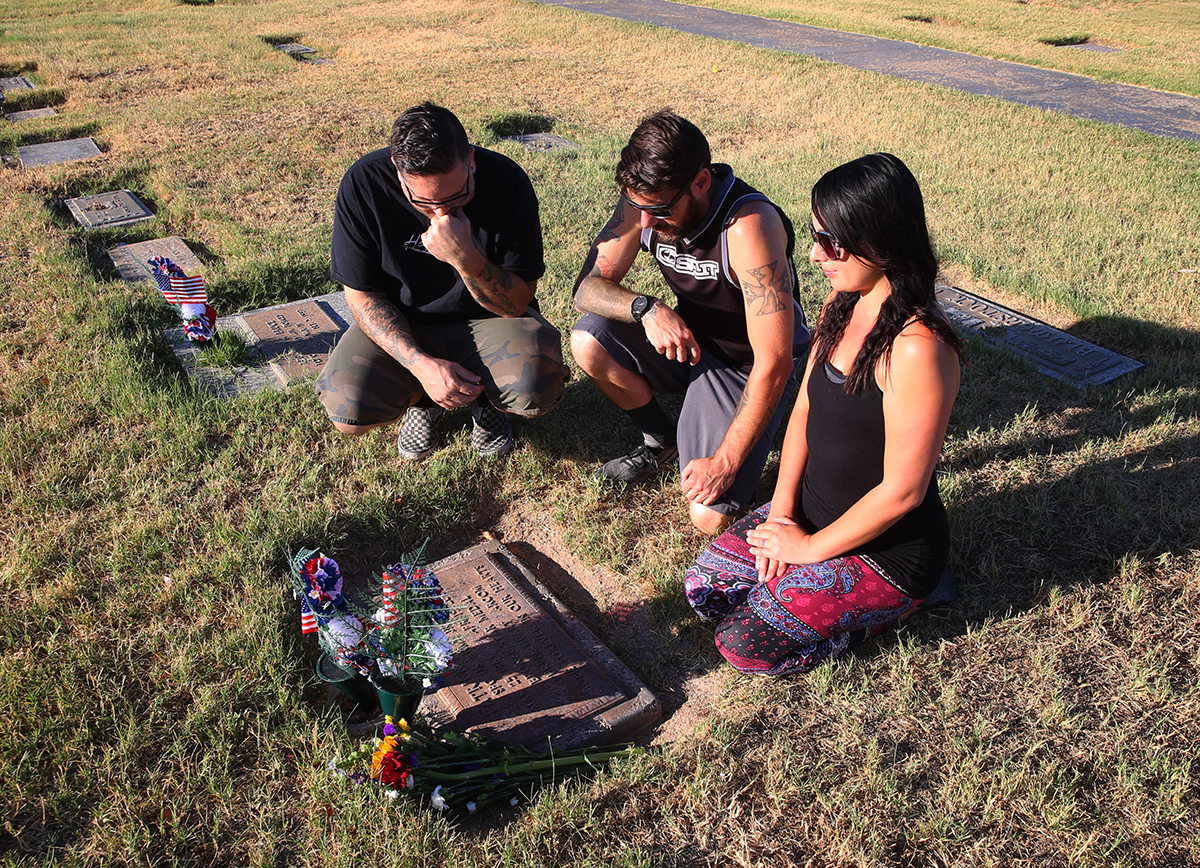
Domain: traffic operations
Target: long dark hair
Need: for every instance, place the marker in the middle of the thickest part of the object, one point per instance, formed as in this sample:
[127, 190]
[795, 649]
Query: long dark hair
[873, 207]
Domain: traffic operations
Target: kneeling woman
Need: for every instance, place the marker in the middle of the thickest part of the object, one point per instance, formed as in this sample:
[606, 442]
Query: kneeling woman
[855, 535]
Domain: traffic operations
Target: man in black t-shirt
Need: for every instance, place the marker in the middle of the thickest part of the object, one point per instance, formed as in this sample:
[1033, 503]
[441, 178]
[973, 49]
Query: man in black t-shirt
[438, 247]
[730, 345]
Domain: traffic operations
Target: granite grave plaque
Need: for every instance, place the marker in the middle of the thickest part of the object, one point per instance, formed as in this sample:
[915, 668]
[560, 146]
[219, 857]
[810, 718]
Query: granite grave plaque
[130, 259]
[53, 153]
[295, 49]
[544, 142]
[30, 114]
[119, 208]
[526, 670]
[1054, 352]
[19, 82]
[295, 339]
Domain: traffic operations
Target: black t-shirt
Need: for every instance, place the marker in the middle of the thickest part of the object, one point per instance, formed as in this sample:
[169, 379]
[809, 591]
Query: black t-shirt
[377, 237]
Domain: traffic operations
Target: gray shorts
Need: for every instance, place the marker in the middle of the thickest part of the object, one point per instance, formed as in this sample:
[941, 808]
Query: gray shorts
[711, 391]
[518, 359]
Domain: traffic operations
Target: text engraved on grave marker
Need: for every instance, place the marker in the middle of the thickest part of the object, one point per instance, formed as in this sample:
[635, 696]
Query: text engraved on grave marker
[517, 674]
[295, 339]
[1054, 352]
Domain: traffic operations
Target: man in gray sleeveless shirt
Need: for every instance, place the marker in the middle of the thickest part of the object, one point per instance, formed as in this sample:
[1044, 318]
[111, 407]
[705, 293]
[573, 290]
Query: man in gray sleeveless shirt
[731, 343]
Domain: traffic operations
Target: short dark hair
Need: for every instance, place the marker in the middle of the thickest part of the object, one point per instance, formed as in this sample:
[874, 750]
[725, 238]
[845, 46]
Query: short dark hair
[428, 140]
[664, 151]
[874, 209]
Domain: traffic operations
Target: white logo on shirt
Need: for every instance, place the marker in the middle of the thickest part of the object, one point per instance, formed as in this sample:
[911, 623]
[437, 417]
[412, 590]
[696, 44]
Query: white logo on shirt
[415, 243]
[685, 263]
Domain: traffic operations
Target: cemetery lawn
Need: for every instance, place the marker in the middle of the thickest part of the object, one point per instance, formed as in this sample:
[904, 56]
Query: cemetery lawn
[160, 705]
[1156, 40]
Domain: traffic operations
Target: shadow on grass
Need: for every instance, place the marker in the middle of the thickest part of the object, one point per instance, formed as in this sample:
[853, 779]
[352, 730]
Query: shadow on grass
[1024, 527]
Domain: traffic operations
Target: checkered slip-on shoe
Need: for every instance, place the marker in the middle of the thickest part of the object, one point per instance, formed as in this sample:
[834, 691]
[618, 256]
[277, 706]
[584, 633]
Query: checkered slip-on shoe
[419, 435]
[491, 431]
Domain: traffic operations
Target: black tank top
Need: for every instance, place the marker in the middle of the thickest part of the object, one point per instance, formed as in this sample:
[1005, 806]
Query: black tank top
[697, 270]
[845, 460]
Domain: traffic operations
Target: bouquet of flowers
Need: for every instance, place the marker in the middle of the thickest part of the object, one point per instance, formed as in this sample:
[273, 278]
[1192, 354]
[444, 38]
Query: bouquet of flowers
[466, 772]
[400, 640]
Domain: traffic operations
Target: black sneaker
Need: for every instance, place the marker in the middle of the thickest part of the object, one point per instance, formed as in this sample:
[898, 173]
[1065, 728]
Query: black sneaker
[419, 435]
[640, 464]
[491, 431]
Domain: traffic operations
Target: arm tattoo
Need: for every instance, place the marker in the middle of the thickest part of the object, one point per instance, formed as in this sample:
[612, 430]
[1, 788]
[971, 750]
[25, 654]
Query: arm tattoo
[609, 232]
[494, 284]
[763, 284]
[383, 323]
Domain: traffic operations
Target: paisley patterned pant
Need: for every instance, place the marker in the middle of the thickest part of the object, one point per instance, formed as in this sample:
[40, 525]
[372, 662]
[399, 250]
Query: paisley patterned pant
[812, 613]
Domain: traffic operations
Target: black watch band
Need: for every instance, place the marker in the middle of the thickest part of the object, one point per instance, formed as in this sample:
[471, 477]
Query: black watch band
[641, 306]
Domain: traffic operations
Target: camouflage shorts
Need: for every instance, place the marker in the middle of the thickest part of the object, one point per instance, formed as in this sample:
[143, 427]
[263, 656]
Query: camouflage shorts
[519, 361]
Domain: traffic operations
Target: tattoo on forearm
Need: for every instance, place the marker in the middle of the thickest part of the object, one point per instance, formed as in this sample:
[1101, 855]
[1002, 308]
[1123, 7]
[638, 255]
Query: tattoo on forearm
[493, 285]
[388, 328]
[764, 285]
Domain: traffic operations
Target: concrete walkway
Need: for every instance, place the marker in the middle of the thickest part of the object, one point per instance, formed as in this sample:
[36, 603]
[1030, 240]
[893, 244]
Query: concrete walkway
[1163, 114]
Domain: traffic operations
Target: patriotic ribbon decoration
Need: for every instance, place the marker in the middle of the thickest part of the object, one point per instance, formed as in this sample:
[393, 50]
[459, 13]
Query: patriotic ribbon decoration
[190, 293]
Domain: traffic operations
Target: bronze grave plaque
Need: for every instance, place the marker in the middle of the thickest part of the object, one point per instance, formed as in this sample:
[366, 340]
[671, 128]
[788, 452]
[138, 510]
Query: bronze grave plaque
[1054, 352]
[118, 208]
[295, 339]
[131, 259]
[30, 114]
[526, 671]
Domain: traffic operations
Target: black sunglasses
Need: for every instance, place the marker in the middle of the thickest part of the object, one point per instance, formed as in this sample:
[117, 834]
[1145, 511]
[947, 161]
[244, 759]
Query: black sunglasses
[438, 203]
[662, 212]
[828, 243]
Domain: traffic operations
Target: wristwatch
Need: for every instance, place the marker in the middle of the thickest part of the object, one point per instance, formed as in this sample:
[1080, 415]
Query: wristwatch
[641, 306]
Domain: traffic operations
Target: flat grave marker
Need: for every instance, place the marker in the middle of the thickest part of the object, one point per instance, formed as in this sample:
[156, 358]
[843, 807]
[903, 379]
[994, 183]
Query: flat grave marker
[1054, 352]
[54, 153]
[19, 82]
[294, 339]
[118, 208]
[131, 259]
[295, 48]
[543, 142]
[526, 670]
[30, 114]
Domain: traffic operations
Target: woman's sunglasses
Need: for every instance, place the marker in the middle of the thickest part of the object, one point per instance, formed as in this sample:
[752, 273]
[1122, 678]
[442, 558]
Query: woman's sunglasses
[829, 244]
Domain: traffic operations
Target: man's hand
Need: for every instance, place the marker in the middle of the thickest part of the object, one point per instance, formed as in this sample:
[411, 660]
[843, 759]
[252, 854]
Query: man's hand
[669, 334]
[448, 384]
[448, 238]
[706, 479]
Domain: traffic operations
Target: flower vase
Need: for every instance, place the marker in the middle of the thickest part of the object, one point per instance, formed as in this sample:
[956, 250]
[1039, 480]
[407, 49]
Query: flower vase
[351, 685]
[398, 698]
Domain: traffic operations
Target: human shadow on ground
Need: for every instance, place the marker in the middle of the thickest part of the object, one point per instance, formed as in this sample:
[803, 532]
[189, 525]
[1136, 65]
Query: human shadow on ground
[1066, 484]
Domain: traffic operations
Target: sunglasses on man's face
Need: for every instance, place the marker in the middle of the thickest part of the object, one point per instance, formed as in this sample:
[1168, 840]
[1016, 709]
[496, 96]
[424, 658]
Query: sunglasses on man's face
[661, 212]
[438, 203]
[829, 244]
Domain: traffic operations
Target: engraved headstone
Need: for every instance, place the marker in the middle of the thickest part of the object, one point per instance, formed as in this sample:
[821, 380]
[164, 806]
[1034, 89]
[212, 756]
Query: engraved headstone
[295, 48]
[130, 259]
[119, 208]
[295, 339]
[1054, 352]
[19, 82]
[1092, 46]
[526, 671]
[53, 153]
[543, 142]
[225, 383]
[30, 114]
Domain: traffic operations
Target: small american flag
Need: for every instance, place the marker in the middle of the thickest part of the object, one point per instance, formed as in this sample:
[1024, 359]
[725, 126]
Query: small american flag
[175, 286]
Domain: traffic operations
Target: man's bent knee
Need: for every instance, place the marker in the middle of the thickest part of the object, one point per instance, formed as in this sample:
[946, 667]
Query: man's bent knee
[588, 353]
[352, 430]
[709, 521]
